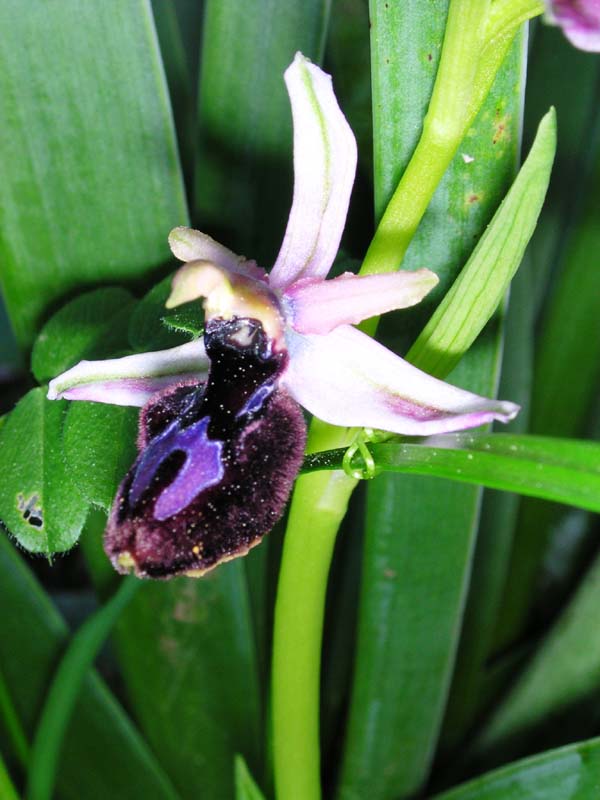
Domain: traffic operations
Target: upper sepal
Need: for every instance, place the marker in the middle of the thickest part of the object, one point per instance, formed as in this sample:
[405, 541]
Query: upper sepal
[324, 168]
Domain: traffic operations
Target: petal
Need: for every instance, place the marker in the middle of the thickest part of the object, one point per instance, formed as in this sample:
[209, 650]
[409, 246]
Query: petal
[227, 295]
[316, 306]
[346, 378]
[188, 244]
[579, 20]
[131, 380]
[324, 168]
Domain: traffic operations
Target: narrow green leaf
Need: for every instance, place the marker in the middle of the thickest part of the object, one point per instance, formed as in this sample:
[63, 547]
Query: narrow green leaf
[492, 550]
[482, 284]
[568, 359]
[93, 325]
[91, 183]
[569, 772]
[401, 680]
[564, 470]
[187, 655]
[567, 368]
[7, 788]
[554, 697]
[179, 80]
[554, 67]
[349, 55]
[32, 639]
[11, 723]
[39, 503]
[245, 785]
[66, 685]
[99, 445]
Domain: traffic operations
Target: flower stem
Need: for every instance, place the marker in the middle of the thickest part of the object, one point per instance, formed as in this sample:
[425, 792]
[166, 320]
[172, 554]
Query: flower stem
[318, 507]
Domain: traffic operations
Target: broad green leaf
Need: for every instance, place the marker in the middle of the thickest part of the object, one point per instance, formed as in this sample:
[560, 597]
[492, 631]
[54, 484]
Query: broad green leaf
[93, 325]
[91, 181]
[401, 679]
[64, 691]
[569, 773]
[554, 697]
[565, 470]
[99, 446]
[32, 639]
[39, 502]
[245, 785]
[482, 283]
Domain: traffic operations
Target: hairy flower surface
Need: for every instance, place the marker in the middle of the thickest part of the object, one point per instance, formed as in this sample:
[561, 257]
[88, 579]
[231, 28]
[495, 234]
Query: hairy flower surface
[579, 20]
[218, 457]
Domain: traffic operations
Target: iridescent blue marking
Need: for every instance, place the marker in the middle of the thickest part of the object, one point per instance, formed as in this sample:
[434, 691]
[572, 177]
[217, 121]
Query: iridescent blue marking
[256, 400]
[203, 466]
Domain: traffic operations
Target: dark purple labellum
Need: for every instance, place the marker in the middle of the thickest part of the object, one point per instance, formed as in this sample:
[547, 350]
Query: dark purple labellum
[217, 462]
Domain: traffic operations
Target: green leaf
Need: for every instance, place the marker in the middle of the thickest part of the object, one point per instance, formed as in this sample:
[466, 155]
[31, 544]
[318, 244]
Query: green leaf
[554, 697]
[569, 772]
[39, 501]
[93, 325]
[190, 643]
[64, 691]
[554, 67]
[153, 327]
[32, 639]
[245, 147]
[7, 788]
[567, 366]
[245, 785]
[492, 550]
[91, 183]
[565, 470]
[401, 681]
[99, 444]
[482, 283]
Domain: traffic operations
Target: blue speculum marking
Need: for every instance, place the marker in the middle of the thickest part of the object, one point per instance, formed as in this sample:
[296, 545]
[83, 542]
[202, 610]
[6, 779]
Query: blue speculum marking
[203, 466]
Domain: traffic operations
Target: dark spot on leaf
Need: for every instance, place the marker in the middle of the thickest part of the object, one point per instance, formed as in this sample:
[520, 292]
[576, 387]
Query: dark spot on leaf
[31, 509]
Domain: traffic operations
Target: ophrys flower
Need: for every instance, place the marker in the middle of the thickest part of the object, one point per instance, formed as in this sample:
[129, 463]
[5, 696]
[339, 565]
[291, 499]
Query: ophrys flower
[217, 458]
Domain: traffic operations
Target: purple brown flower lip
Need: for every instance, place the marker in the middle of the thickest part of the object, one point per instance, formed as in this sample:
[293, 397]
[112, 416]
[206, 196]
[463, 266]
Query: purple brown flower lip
[318, 360]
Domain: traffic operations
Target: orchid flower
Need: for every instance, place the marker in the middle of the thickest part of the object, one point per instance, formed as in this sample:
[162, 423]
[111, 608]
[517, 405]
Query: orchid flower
[219, 452]
[579, 20]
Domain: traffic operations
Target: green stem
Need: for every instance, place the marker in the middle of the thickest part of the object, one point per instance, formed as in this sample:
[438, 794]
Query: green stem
[318, 507]
[478, 36]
